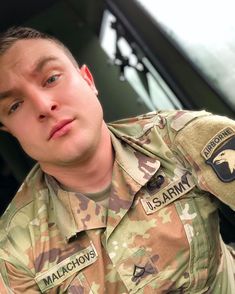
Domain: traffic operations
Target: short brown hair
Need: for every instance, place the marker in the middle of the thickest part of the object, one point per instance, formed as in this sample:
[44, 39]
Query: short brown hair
[13, 34]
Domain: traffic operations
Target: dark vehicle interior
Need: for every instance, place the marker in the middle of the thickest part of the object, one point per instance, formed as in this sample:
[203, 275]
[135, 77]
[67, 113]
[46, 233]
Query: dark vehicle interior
[139, 63]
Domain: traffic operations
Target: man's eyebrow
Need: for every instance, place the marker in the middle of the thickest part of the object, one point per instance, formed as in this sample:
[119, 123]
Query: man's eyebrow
[41, 62]
[5, 94]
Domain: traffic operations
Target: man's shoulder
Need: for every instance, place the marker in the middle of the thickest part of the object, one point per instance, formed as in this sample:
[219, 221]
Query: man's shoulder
[206, 133]
[23, 202]
[207, 144]
[170, 121]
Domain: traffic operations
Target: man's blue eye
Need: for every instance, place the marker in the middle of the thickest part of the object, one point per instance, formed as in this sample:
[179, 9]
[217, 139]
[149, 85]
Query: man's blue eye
[14, 107]
[52, 79]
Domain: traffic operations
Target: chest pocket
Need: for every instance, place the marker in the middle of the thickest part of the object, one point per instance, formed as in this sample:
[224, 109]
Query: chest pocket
[137, 272]
[137, 248]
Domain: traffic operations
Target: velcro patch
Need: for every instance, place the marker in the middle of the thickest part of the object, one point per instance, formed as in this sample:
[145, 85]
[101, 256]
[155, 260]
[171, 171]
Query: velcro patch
[168, 194]
[61, 271]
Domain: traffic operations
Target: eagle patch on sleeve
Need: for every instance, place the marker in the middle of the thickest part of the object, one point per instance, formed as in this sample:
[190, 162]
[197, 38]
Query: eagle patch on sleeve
[222, 158]
[223, 161]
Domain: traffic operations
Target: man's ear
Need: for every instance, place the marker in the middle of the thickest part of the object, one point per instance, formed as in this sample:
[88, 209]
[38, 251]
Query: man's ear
[87, 76]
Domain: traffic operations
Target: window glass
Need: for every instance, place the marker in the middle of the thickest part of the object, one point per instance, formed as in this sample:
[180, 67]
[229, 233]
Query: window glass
[205, 30]
[145, 80]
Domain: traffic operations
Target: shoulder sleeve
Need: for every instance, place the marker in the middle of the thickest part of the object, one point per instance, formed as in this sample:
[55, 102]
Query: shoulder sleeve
[207, 143]
[13, 280]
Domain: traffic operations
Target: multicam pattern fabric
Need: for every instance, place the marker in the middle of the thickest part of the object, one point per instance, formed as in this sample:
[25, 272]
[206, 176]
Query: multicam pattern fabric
[160, 233]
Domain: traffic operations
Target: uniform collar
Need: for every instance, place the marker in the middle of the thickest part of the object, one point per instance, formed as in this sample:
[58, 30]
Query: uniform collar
[74, 212]
[134, 160]
[132, 169]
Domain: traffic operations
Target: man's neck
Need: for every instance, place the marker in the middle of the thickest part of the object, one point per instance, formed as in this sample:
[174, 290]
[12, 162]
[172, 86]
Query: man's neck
[90, 176]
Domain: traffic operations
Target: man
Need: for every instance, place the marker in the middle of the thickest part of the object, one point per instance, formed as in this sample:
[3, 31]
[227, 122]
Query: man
[125, 208]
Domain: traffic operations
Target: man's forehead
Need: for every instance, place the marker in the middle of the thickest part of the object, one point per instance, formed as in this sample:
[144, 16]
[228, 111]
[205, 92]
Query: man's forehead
[29, 52]
[27, 58]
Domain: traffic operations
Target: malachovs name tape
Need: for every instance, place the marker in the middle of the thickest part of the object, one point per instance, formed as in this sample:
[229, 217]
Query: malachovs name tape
[63, 270]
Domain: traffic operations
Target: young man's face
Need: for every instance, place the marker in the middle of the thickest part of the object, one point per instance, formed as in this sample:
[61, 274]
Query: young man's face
[48, 104]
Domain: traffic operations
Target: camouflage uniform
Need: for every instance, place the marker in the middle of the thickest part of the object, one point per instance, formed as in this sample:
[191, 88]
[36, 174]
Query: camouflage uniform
[160, 233]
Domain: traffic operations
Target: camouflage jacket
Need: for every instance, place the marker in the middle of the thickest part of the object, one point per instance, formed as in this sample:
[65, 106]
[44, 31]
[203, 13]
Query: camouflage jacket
[160, 233]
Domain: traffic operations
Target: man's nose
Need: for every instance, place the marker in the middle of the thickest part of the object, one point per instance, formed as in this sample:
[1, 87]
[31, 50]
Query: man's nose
[48, 111]
[43, 103]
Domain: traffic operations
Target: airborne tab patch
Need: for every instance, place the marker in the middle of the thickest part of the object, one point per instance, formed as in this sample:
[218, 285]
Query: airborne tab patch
[61, 271]
[216, 141]
[168, 194]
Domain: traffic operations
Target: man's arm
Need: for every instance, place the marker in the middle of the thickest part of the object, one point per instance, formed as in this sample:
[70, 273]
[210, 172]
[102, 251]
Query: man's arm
[208, 145]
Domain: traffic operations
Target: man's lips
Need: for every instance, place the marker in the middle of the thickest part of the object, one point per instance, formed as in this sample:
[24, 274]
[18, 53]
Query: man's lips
[59, 128]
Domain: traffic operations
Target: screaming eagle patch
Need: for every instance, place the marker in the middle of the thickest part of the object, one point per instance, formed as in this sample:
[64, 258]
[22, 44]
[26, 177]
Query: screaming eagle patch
[223, 159]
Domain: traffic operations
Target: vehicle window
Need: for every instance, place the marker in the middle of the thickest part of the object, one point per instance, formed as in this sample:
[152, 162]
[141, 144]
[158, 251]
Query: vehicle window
[205, 31]
[138, 71]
